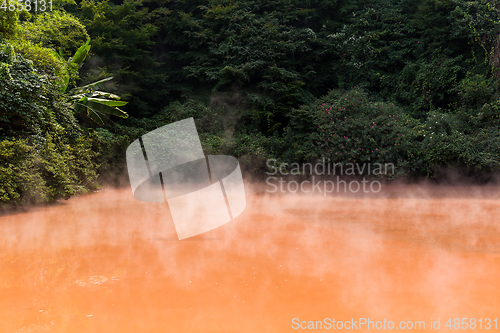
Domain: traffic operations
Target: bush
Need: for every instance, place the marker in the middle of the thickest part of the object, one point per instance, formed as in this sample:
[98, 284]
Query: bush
[350, 128]
[67, 168]
[253, 149]
[44, 59]
[110, 149]
[446, 144]
[56, 30]
[53, 170]
[22, 182]
[23, 96]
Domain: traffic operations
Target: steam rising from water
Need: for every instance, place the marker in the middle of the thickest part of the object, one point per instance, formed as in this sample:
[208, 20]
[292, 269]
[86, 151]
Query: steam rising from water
[108, 263]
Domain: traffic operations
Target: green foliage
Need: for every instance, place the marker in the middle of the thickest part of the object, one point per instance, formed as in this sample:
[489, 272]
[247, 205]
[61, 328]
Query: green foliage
[21, 180]
[57, 30]
[44, 59]
[43, 156]
[94, 104]
[446, 144]
[475, 90]
[254, 148]
[174, 49]
[8, 22]
[36, 174]
[72, 65]
[23, 95]
[30, 103]
[427, 85]
[256, 47]
[374, 46]
[111, 149]
[7, 54]
[67, 168]
[89, 103]
[123, 42]
[351, 128]
[39, 38]
[478, 20]
[81, 54]
[208, 119]
[279, 55]
[250, 73]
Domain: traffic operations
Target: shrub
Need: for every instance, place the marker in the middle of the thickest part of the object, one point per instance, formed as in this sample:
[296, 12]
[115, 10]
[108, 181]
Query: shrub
[110, 149]
[55, 169]
[23, 101]
[22, 182]
[350, 128]
[446, 144]
[56, 29]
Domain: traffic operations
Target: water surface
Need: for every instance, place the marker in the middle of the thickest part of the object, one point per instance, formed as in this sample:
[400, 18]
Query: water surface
[108, 263]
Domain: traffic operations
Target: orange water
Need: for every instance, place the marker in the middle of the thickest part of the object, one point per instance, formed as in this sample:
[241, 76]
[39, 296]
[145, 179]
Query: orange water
[108, 263]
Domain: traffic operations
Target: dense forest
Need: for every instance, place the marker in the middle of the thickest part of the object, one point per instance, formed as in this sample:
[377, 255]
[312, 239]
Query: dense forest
[408, 82]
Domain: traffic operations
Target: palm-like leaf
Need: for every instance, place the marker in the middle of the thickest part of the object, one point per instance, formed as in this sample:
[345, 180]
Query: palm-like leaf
[77, 59]
[104, 94]
[90, 102]
[89, 112]
[86, 100]
[81, 54]
[88, 87]
[107, 102]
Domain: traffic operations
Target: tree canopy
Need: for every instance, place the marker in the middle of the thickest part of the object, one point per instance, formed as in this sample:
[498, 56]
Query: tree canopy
[258, 77]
